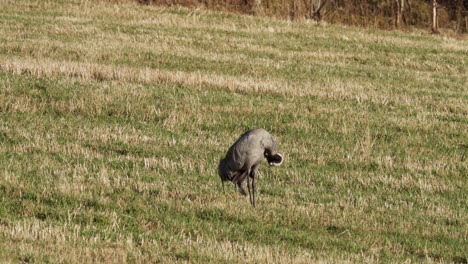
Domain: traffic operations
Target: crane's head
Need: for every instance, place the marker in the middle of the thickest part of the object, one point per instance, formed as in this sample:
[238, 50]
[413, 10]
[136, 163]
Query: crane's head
[275, 160]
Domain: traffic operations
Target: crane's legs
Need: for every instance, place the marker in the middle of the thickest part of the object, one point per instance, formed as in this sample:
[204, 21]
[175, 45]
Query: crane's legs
[253, 190]
[252, 175]
[249, 186]
[240, 188]
[237, 180]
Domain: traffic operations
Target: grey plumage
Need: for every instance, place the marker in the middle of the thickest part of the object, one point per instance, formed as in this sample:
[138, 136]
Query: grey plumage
[244, 157]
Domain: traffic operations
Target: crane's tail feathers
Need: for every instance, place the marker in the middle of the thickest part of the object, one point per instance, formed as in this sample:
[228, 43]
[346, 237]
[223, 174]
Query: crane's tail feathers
[276, 160]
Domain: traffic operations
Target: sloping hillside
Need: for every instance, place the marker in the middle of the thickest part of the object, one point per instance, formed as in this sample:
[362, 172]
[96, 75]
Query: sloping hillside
[113, 119]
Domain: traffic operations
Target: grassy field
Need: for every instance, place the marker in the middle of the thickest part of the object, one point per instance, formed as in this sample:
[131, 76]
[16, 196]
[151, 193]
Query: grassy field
[113, 118]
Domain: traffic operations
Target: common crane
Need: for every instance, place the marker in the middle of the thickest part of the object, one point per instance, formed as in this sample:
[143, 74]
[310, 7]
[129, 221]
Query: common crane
[244, 157]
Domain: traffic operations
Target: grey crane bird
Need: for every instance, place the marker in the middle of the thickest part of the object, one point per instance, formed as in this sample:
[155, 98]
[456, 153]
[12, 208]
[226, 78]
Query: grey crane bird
[244, 157]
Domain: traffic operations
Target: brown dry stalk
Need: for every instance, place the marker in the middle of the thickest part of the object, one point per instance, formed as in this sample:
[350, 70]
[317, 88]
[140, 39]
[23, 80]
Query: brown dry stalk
[93, 71]
[335, 89]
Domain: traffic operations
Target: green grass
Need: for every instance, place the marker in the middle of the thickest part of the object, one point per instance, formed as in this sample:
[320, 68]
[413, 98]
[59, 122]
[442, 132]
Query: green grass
[113, 118]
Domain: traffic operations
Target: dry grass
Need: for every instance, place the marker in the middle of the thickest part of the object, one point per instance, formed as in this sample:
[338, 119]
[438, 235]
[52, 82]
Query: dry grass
[114, 116]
